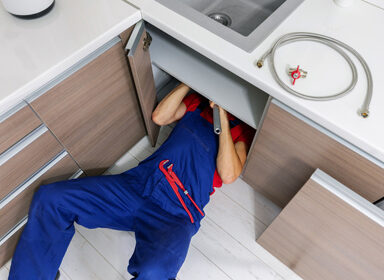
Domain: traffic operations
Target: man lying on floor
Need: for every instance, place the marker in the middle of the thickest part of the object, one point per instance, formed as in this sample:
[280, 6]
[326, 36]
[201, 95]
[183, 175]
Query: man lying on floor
[161, 200]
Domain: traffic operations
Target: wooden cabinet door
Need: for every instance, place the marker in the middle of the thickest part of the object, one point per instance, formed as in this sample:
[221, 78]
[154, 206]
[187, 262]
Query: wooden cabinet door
[94, 111]
[328, 232]
[287, 150]
[141, 66]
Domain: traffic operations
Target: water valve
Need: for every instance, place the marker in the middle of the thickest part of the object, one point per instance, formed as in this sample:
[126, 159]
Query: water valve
[297, 73]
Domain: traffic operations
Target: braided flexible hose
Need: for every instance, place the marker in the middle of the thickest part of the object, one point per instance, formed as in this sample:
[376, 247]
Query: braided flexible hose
[339, 47]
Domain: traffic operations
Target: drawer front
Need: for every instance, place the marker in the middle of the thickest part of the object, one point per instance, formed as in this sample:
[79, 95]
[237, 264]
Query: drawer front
[94, 111]
[16, 124]
[15, 207]
[25, 158]
[288, 150]
[328, 232]
[8, 244]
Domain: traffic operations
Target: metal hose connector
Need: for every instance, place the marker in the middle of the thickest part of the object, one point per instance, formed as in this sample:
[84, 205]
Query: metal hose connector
[339, 47]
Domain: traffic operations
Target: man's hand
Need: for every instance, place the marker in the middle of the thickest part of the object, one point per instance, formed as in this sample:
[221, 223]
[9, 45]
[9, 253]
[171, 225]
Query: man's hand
[171, 108]
[231, 157]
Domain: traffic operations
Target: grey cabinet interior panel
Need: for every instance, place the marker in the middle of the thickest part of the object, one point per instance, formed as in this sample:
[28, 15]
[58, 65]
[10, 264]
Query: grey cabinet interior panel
[206, 77]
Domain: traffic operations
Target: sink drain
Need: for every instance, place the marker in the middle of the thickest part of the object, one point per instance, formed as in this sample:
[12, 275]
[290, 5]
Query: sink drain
[221, 18]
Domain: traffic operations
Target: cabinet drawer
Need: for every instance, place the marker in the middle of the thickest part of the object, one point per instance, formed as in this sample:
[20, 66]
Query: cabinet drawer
[327, 231]
[16, 124]
[288, 148]
[93, 110]
[8, 243]
[15, 206]
[25, 158]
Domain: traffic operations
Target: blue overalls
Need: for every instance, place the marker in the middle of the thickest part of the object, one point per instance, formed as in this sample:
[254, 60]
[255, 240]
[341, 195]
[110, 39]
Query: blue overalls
[141, 200]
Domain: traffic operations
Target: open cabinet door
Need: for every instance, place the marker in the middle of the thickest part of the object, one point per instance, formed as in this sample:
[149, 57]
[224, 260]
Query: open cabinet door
[328, 232]
[140, 62]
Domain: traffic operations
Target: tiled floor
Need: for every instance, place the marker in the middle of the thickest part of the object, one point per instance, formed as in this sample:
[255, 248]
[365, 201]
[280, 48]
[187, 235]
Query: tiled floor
[223, 249]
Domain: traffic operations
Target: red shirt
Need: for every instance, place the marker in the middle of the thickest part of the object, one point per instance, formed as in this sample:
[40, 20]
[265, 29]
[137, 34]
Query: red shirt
[241, 132]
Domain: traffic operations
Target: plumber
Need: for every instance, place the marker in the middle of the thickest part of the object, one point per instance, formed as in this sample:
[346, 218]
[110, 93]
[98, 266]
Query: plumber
[161, 200]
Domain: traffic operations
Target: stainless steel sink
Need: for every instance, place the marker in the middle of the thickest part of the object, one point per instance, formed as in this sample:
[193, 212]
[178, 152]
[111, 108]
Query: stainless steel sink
[244, 23]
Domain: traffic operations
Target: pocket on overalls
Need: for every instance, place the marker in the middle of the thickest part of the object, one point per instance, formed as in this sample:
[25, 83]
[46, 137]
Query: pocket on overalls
[152, 182]
[164, 196]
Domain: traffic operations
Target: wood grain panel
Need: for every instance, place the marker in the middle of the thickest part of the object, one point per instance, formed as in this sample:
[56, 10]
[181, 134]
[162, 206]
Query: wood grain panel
[320, 236]
[17, 126]
[8, 248]
[124, 36]
[94, 112]
[141, 66]
[287, 151]
[18, 208]
[25, 163]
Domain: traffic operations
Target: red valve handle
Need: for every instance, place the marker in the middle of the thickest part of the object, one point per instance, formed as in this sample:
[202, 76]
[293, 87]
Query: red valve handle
[296, 74]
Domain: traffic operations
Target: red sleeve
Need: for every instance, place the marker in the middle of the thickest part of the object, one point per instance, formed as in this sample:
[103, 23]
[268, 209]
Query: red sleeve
[192, 101]
[243, 133]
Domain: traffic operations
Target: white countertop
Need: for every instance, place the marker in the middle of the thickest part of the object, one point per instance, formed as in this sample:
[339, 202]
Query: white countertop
[33, 52]
[360, 26]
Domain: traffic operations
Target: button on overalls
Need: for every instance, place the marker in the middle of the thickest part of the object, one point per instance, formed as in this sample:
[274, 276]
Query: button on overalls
[145, 199]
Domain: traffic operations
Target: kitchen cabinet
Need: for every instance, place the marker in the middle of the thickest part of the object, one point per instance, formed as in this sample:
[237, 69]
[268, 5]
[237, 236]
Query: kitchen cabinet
[23, 159]
[327, 231]
[14, 208]
[165, 54]
[92, 109]
[30, 155]
[16, 124]
[90, 115]
[289, 147]
[36, 159]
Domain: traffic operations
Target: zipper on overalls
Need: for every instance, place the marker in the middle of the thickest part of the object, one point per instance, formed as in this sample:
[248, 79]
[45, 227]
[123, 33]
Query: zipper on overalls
[175, 183]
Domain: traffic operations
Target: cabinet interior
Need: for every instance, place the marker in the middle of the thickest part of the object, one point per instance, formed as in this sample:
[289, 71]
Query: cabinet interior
[171, 58]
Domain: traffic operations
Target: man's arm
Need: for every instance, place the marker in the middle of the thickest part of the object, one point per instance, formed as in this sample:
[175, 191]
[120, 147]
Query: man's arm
[171, 108]
[231, 157]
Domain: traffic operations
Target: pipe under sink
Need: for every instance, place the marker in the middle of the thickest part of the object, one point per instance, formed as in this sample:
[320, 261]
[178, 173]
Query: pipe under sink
[245, 23]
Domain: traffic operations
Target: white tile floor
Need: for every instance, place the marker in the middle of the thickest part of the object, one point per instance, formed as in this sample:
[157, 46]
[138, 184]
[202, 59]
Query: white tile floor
[224, 248]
